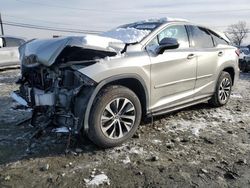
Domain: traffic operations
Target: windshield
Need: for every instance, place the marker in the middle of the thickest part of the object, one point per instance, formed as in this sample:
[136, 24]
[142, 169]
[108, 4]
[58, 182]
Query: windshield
[132, 33]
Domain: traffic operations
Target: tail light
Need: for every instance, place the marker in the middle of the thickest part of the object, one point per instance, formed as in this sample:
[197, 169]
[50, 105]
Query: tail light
[237, 52]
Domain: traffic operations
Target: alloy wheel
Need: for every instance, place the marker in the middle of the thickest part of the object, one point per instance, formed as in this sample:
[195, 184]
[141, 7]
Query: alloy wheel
[118, 118]
[225, 89]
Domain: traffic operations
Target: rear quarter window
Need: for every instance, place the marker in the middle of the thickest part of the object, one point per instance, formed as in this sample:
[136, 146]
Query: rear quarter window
[218, 39]
[201, 38]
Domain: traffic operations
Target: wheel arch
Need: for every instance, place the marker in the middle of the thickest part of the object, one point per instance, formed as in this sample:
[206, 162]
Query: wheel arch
[231, 71]
[131, 81]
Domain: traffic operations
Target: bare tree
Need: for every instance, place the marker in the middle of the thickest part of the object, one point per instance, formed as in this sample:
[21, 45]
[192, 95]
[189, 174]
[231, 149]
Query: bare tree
[238, 32]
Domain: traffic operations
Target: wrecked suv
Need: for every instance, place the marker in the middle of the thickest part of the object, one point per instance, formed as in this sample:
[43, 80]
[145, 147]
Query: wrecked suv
[103, 85]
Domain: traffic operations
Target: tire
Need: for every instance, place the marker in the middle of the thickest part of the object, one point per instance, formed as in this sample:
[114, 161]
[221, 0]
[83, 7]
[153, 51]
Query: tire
[111, 125]
[222, 91]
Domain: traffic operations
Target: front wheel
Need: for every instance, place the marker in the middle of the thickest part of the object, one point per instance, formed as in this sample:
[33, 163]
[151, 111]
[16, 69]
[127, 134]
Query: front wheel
[114, 117]
[222, 91]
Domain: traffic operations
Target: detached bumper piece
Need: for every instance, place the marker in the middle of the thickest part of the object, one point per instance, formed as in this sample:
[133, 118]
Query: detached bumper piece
[19, 99]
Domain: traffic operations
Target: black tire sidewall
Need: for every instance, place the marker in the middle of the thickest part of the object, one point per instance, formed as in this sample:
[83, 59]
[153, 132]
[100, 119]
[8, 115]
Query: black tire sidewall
[222, 76]
[104, 97]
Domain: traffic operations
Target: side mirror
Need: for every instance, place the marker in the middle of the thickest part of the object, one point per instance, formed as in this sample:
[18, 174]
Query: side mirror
[1, 42]
[167, 44]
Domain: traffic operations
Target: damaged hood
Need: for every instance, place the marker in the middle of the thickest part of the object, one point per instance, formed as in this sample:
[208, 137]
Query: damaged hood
[45, 51]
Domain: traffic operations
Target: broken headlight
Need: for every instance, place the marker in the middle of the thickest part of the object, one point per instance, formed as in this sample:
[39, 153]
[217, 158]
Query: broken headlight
[30, 61]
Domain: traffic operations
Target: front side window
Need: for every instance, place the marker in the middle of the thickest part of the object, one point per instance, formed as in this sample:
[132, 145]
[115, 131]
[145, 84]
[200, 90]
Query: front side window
[178, 32]
[201, 38]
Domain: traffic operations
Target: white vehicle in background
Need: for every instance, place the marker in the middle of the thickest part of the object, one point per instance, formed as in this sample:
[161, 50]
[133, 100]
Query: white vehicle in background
[9, 55]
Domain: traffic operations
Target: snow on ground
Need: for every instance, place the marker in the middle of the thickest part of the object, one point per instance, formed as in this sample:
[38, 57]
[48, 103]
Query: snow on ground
[185, 125]
[195, 147]
[236, 96]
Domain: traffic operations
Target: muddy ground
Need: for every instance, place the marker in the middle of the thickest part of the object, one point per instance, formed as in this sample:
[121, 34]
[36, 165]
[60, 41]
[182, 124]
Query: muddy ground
[195, 147]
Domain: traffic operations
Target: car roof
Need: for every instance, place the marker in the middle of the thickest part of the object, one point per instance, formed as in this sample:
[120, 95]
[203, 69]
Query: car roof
[157, 21]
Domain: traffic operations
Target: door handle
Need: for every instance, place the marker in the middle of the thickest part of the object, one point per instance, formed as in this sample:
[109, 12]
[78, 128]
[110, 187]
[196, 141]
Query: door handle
[191, 56]
[220, 53]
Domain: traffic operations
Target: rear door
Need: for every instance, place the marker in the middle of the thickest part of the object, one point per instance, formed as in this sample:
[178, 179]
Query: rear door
[207, 58]
[173, 73]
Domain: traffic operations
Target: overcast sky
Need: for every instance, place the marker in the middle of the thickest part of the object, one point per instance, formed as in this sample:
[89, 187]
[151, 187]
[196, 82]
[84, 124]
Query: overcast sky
[103, 15]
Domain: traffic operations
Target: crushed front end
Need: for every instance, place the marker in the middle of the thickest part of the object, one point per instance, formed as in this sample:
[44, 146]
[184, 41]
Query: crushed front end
[52, 94]
[51, 84]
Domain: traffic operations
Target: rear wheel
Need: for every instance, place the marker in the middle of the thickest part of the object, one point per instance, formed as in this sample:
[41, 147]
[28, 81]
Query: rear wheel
[222, 91]
[115, 116]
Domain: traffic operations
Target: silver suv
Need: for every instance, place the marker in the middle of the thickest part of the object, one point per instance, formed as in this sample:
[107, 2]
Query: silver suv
[103, 85]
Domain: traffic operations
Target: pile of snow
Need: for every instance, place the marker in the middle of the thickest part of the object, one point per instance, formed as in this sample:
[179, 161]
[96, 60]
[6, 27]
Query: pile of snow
[163, 20]
[127, 35]
[102, 41]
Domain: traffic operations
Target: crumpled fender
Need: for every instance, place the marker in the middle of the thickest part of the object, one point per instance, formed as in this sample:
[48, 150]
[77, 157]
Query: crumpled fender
[47, 50]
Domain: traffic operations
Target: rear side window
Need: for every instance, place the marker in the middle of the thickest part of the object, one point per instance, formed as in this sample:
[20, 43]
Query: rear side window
[201, 38]
[218, 39]
[13, 42]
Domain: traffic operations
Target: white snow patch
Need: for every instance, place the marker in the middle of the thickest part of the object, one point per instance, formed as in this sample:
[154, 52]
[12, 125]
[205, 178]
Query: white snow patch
[126, 160]
[155, 141]
[165, 19]
[196, 129]
[127, 35]
[105, 42]
[61, 130]
[97, 180]
[182, 125]
[136, 150]
[236, 96]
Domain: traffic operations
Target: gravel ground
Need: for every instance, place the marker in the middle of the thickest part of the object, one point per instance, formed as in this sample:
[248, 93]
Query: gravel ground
[195, 147]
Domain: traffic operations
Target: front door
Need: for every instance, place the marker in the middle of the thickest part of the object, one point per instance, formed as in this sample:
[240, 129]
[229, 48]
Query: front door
[173, 73]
